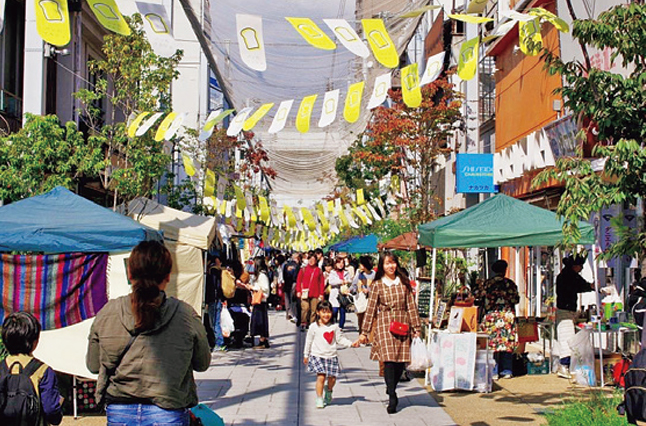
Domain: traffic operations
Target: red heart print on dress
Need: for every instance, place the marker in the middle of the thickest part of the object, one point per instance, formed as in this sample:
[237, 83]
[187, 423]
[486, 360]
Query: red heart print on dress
[329, 336]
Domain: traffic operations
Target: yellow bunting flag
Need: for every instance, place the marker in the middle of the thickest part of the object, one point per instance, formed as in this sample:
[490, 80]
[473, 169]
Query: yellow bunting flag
[188, 165]
[148, 124]
[411, 92]
[477, 6]
[352, 109]
[241, 203]
[164, 126]
[558, 23]
[361, 216]
[417, 12]
[265, 234]
[380, 43]
[291, 219]
[330, 207]
[470, 19]
[132, 128]
[251, 122]
[305, 113]
[325, 225]
[530, 30]
[223, 208]
[468, 60]
[307, 216]
[107, 13]
[211, 121]
[209, 183]
[312, 33]
[343, 218]
[53, 21]
[264, 209]
[360, 197]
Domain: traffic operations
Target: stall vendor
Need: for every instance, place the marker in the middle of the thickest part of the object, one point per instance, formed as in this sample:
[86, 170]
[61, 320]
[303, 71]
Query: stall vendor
[569, 283]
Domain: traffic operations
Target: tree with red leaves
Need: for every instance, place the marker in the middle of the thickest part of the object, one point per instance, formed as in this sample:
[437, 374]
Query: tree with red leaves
[406, 143]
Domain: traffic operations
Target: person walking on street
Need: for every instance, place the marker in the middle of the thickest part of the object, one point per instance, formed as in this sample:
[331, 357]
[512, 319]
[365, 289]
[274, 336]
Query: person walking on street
[391, 306]
[145, 346]
[259, 317]
[310, 290]
[569, 283]
[214, 300]
[291, 268]
[361, 285]
[320, 354]
[338, 278]
[498, 297]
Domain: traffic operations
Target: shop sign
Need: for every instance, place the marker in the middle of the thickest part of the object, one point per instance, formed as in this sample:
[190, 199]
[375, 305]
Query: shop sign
[562, 136]
[474, 173]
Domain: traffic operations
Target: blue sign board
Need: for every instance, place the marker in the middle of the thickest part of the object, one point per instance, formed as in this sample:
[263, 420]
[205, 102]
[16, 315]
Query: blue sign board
[474, 173]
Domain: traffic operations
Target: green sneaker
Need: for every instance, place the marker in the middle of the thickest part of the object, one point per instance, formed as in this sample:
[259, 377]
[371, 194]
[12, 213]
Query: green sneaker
[319, 402]
[328, 397]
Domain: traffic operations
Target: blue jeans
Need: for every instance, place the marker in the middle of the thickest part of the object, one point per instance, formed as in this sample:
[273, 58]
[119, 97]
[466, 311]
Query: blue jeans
[215, 310]
[340, 312]
[145, 415]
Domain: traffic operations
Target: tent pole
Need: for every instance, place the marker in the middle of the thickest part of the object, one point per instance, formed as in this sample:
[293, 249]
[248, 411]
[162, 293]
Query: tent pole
[75, 397]
[595, 266]
[430, 310]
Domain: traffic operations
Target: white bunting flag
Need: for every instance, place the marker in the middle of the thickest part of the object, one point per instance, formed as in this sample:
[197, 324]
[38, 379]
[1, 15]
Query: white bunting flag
[281, 116]
[350, 215]
[209, 125]
[175, 125]
[222, 186]
[517, 16]
[2, 4]
[330, 106]
[434, 67]
[146, 125]
[236, 124]
[348, 37]
[500, 31]
[158, 27]
[380, 91]
[373, 212]
[250, 41]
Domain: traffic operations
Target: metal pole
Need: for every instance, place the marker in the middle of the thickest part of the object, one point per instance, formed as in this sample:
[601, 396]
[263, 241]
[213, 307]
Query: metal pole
[595, 266]
[75, 397]
[430, 310]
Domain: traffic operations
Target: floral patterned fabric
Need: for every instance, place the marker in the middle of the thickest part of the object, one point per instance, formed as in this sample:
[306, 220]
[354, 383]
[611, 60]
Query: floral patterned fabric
[497, 298]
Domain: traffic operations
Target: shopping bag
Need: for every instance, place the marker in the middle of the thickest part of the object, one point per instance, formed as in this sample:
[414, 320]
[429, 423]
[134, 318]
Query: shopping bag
[360, 302]
[420, 358]
[226, 322]
[582, 364]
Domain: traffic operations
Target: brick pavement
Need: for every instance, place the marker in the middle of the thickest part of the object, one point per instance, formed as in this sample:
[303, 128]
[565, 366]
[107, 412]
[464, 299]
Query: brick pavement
[272, 387]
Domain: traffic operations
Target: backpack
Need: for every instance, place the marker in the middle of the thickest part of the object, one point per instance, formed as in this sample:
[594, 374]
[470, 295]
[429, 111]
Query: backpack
[19, 400]
[228, 284]
[634, 404]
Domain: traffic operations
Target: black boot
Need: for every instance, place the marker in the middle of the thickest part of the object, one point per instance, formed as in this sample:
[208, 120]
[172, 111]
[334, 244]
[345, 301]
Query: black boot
[392, 404]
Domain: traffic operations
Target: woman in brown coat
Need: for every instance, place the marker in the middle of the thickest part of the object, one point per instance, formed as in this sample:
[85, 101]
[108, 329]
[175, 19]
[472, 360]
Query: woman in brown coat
[391, 299]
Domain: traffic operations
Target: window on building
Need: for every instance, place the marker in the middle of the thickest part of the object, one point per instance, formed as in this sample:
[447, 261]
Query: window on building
[12, 52]
[487, 87]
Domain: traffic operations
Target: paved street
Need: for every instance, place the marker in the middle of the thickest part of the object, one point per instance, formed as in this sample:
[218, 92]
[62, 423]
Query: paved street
[273, 387]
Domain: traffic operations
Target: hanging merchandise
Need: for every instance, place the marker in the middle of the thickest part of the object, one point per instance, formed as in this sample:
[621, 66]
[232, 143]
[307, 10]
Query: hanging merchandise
[135, 123]
[352, 108]
[211, 121]
[380, 90]
[312, 33]
[164, 126]
[236, 124]
[107, 13]
[251, 122]
[146, 125]
[189, 167]
[434, 67]
[305, 113]
[411, 91]
[530, 30]
[281, 116]
[209, 183]
[330, 106]
[558, 23]
[468, 60]
[470, 19]
[250, 41]
[158, 27]
[382, 46]
[348, 36]
[53, 21]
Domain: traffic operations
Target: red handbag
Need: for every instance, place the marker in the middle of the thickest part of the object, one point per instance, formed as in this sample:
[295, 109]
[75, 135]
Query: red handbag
[398, 328]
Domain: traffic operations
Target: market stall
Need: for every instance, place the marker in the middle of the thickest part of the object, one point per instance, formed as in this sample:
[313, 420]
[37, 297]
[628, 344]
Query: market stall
[365, 244]
[499, 221]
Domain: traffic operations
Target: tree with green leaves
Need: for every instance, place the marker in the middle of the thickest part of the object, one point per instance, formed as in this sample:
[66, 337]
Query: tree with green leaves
[133, 79]
[405, 144]
[43, 155]
[615, 108]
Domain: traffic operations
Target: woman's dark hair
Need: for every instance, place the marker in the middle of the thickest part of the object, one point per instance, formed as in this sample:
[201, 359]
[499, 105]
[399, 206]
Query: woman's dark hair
[259, 265]
[327, 262]
[20, 331]
[149, 265]
[337, 261]
[399, 272]
[499, 266]
[323, 306]
[367, 262]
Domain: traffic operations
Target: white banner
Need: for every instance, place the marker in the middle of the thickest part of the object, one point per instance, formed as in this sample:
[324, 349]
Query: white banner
[380, 90]
[236, 124]
[281, 116]
[434, 67]
[330, 106]
[348, 37]
[251, 41]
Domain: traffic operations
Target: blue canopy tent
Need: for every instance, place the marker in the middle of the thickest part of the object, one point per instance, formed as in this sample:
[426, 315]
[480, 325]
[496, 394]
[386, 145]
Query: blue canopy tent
[60, 221]
[367, 244]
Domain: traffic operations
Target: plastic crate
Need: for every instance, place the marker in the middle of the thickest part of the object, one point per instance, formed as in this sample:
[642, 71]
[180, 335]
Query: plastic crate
[538, 368]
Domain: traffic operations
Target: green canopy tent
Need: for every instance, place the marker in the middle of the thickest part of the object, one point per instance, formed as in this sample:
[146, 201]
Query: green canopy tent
[499, 221]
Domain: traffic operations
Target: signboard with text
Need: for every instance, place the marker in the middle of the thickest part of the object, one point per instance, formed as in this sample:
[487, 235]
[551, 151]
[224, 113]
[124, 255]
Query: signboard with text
[474, 173]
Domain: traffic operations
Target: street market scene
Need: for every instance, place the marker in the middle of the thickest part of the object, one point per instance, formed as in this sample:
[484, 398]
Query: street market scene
[370, 212]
